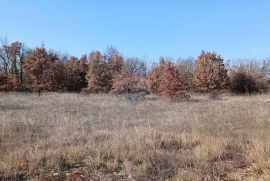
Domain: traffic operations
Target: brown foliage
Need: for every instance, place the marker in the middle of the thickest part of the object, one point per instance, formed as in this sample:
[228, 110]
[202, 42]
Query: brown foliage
[83, 66]
[77, 70]
[115, 66]
[11, 57]
[130, 78]
[59, 76]
[73, 71]
[210, 73]
[3, 82]
[39, 69]
[14, 82]
[170, 82]
[13, 52]
[114, 60]
[9, 82]
[154, 77]
[165, 80]
[126, 83]
[98, 76]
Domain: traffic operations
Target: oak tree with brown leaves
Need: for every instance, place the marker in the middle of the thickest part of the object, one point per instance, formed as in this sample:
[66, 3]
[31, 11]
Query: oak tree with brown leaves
[39, 70]
[170, 82]
[154, 76]
[98, 76]
[210, 72]
[9, 82]
[115, 64]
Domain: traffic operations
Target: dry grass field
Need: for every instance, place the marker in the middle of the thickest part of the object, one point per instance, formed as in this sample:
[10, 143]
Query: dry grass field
[101, 137]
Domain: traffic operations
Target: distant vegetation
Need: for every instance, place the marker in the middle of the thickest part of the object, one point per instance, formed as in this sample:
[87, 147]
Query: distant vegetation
[138, 136]
[39, 70]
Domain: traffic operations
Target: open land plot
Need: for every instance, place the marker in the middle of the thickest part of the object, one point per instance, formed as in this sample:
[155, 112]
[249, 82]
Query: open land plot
[102, 137]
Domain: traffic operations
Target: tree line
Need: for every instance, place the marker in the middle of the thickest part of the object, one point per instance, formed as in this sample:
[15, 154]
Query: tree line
[39, 70]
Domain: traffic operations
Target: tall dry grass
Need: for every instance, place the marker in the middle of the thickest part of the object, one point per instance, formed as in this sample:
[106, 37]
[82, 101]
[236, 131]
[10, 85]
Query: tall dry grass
[100, 137]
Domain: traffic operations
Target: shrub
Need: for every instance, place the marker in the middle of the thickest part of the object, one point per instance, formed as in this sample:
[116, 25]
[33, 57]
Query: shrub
[9, 82]
[210, 73]
[248, 77]
[126, 83]
[3, 82]
[186, 68]
[14, 82]
[129, 76]
[242, 82]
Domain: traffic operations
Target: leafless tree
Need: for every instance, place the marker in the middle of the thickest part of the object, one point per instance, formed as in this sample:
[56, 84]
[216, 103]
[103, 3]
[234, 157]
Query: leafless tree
[4, 60]
[135, 65]
[266, 69]
[12, 57]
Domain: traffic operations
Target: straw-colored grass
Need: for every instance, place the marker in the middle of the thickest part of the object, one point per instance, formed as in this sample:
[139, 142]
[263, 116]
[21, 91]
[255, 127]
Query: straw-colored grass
[101, 137]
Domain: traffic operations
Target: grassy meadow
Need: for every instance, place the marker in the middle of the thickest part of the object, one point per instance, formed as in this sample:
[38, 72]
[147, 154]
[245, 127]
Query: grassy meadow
[65, 136]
